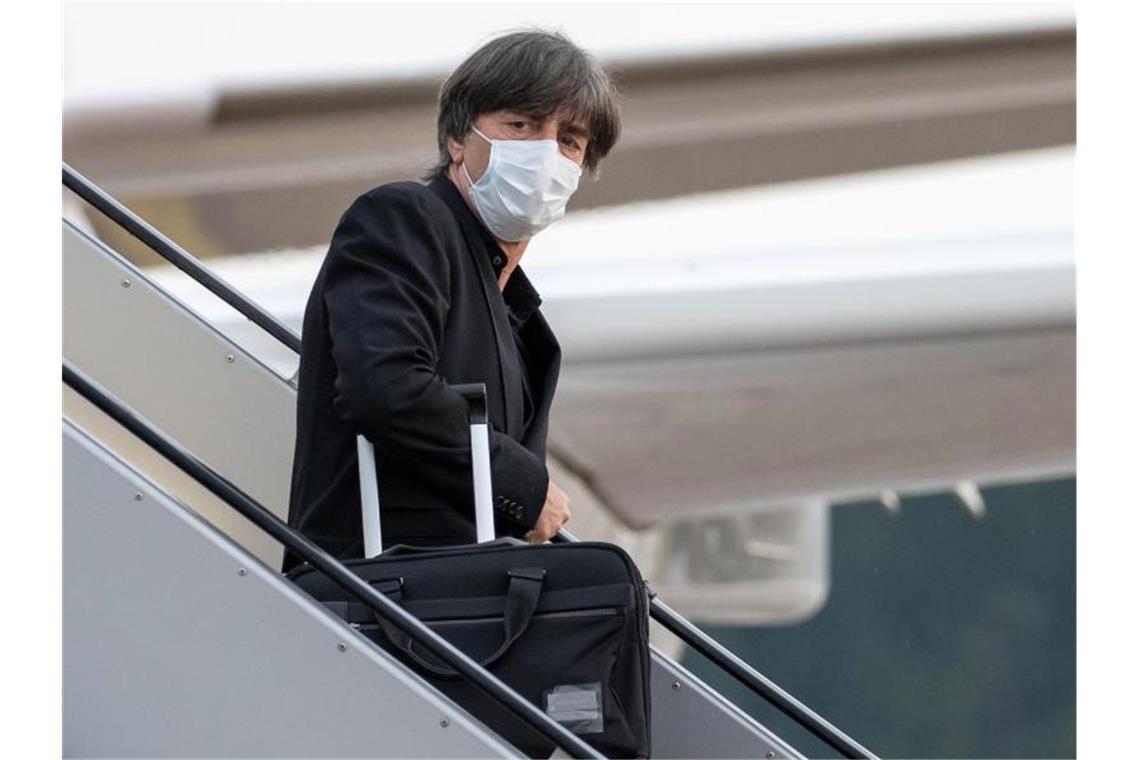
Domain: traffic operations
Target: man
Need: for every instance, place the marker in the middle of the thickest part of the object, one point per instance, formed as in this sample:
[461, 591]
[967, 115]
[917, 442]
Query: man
[421, 288]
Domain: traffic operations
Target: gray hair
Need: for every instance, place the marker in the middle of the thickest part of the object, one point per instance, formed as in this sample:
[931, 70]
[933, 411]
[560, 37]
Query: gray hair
[535, 73]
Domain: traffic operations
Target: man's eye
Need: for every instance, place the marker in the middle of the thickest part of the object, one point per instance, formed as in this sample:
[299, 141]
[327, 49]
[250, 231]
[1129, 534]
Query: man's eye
[518, 124]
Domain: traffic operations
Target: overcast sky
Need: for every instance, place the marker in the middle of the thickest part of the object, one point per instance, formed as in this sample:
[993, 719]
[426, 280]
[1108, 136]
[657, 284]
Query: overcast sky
[138, 50]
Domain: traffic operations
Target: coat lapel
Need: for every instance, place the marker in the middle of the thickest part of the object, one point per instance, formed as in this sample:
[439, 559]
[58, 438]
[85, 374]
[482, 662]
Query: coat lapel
[509, 370]
[510, 377]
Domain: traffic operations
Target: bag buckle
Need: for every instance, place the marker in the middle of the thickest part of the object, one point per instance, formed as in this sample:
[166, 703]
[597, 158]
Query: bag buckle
[528, 573]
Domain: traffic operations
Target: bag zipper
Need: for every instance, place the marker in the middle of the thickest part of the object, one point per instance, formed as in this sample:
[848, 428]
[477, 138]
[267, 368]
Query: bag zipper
[595, 612]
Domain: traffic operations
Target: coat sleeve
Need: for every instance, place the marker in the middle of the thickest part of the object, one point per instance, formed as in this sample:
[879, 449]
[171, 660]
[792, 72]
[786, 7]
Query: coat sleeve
[387, 296]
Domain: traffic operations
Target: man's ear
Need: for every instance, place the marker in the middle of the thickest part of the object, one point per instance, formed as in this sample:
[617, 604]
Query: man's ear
[455, 148]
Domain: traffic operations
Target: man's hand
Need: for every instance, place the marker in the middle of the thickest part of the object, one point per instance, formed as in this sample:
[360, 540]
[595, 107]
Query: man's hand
[555, 512]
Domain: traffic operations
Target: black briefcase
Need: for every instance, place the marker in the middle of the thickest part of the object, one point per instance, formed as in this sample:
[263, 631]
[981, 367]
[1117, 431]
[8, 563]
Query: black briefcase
[566, 625]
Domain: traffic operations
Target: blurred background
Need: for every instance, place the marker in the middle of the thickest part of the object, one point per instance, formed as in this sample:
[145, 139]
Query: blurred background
[817, 313]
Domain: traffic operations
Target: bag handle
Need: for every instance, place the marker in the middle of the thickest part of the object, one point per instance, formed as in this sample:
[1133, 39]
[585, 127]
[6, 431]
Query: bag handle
[523, 592]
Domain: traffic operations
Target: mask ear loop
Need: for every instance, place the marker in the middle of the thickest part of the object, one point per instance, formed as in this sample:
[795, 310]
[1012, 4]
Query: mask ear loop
[470, 182]
[475, 129]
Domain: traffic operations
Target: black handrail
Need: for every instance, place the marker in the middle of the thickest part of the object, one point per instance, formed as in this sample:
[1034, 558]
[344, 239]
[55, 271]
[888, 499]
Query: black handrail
[746, 674]
[660, 611]
[326, 563]
[172, 252]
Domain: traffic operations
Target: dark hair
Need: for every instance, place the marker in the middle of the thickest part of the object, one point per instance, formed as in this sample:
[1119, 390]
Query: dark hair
[534, 72]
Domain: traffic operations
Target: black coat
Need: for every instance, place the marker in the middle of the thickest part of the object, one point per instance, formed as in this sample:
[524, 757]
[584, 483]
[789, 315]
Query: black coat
[406, 303]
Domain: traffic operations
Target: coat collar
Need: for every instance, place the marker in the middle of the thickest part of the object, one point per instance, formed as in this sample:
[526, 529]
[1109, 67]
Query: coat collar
[519, 294]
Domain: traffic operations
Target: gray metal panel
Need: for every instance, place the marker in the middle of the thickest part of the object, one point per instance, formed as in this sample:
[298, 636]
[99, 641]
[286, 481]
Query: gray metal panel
[177, 642]
[171, 366]
[690, 719]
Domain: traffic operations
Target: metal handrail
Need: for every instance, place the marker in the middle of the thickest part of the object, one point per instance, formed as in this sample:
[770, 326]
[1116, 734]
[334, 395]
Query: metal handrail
[661, 612]
[681, 627]
[326, 563]
[176, 255]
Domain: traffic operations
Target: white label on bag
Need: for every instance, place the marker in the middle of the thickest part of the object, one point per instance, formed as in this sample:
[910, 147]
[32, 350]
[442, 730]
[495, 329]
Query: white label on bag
[576, 706]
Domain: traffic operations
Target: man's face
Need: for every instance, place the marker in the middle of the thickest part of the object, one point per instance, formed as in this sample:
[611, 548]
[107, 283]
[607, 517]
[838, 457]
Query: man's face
[571, 136]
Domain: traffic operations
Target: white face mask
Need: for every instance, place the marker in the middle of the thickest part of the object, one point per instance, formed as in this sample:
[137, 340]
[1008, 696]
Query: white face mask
[525, 187]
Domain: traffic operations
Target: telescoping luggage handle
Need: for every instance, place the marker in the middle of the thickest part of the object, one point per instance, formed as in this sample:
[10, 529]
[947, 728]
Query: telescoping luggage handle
[476, 396]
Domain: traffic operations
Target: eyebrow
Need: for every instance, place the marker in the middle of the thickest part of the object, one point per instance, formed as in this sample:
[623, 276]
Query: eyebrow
[577, 129]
